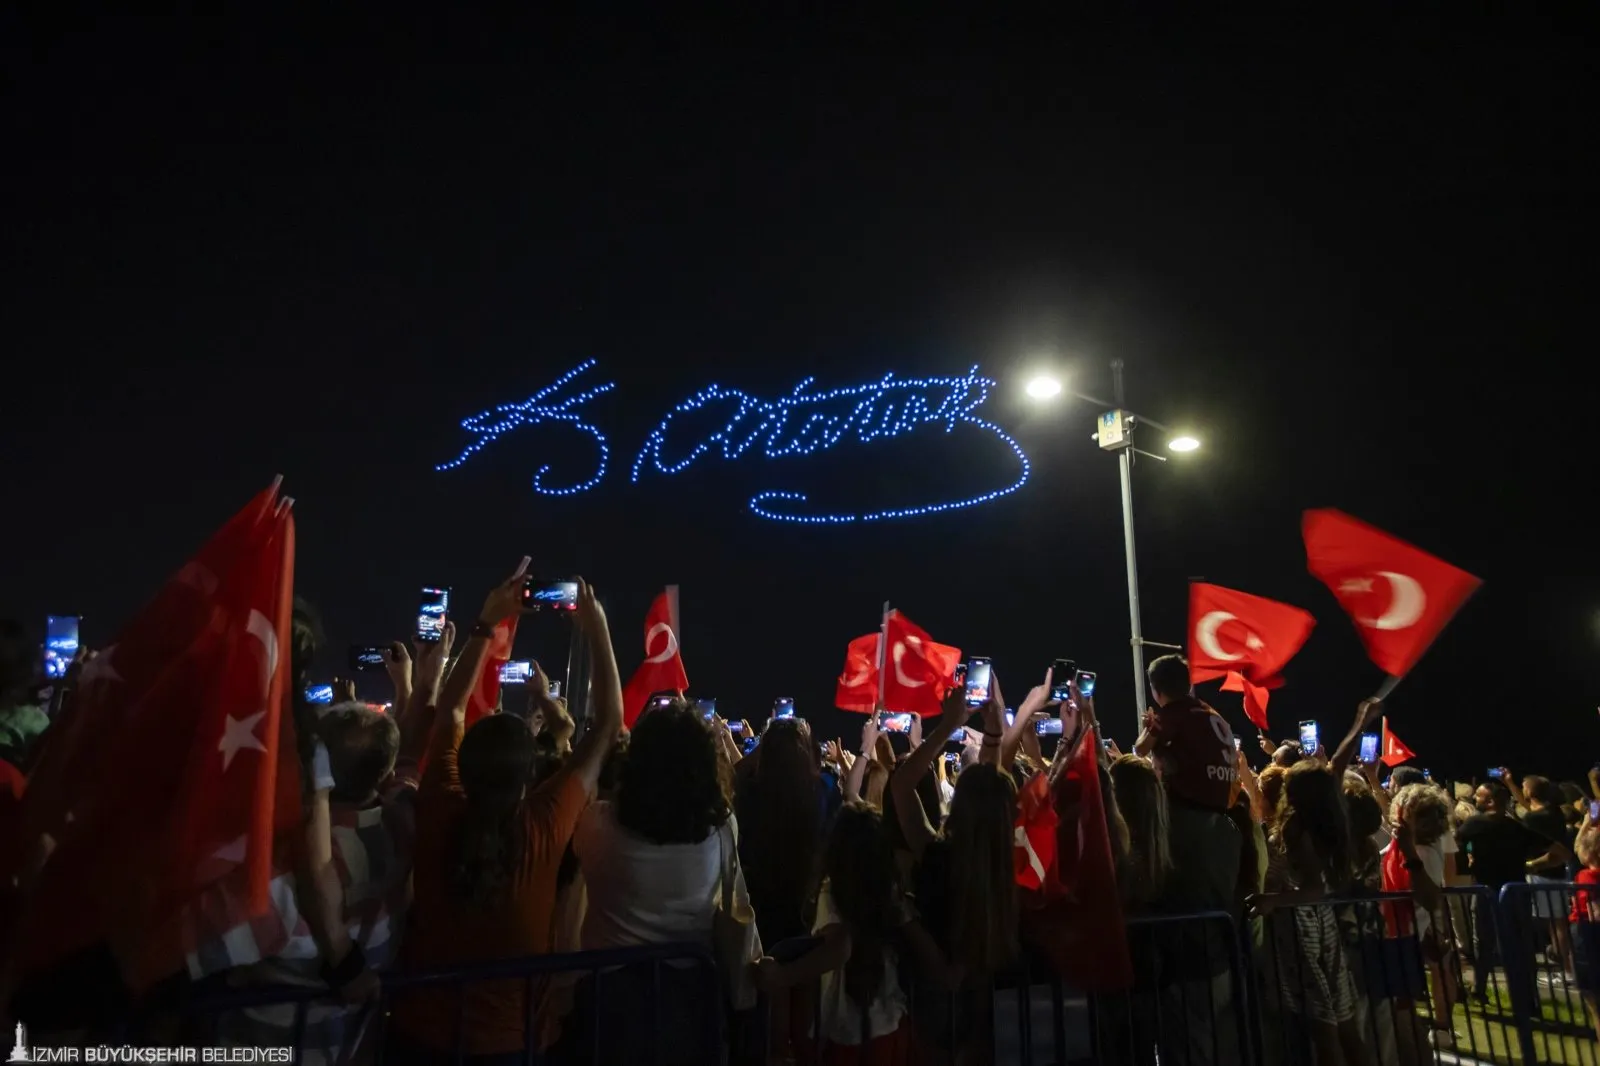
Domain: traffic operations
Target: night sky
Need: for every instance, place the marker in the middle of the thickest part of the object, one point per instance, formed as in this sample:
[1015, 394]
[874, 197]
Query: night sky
[1348, 254]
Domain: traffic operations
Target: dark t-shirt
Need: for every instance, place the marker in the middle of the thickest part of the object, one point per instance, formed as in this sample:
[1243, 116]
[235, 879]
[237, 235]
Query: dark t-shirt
[1194, 749]
[1497, 848]
[1552, 826]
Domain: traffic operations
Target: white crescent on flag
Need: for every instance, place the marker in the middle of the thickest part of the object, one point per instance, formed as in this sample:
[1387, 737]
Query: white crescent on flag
[1205, 635]
[1406, 603]
[650, 638]
[899, 672]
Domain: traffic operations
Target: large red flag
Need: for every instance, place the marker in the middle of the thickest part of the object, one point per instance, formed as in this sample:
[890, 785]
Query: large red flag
[1034, 840]
[1232, 630]
[177, 762]
[1399, 596]
[485, 695]
[1076, 918]
[662, 669]
[1255, 697]
[1394, 750]
[917, 671]
[857, 688]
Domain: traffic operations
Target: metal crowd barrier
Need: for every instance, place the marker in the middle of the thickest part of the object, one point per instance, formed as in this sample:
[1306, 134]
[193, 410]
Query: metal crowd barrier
[608, 1021]
[1492, 970]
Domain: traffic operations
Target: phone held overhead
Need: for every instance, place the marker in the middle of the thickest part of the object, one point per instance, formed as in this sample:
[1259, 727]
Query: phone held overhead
[60, 643]
[1061, 674]
[365, 657]
[783, 707]
[889, 722]
[542, 595]
[516, 672]
[978, 670]
[433, 608]
[1369, 748]
[1308, 737]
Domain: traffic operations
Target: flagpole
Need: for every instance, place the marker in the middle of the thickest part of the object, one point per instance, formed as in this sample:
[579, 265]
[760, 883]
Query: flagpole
[1390, 683]
[883, 647]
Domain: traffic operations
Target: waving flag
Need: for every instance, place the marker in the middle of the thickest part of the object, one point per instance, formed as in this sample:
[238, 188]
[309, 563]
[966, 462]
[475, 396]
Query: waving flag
[1394, 751]
[1234, 631]
[662, 669]
[1255, 697]
[175, 763]
[917, 670]
[485, 695]
[1399, 597]
[1034, 852]
[857, 688]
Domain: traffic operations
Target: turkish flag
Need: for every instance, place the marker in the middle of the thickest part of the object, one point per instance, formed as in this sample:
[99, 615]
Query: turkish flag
[857, 687]
[1076, 919]
[1034, 851]
[1399, 596]
[662, 669]
[1255, 697]
[174, 764]
[1395, 751]
[1233, 630]
[485, 695]
[917, 671]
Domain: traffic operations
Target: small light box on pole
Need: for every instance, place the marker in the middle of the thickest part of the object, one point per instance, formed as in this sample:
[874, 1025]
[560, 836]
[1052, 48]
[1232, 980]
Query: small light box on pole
[1113, 435]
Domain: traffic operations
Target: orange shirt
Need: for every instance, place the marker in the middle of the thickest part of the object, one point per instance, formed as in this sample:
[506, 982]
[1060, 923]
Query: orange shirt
[443, 931]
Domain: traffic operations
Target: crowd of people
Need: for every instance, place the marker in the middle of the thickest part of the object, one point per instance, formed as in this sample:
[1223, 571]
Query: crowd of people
[868, 893]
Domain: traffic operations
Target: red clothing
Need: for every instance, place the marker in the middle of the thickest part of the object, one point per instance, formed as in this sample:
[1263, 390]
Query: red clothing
[1193, 747]
[1584, 901]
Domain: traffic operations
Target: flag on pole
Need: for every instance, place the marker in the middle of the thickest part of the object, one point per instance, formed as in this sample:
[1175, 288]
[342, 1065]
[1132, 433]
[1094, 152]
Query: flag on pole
[1394, 750]
[857, 687]
[917, 671]
[1235, 631]
[1399, 596]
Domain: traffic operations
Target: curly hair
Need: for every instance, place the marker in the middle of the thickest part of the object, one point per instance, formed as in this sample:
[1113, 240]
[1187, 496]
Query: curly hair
[1312, 811]
[1426, 808]
[1587, 847]
[496, 764]
[673, 787]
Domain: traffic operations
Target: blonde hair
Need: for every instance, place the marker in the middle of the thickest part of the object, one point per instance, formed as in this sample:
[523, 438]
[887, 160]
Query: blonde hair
[1588, 847]
[1428, 809]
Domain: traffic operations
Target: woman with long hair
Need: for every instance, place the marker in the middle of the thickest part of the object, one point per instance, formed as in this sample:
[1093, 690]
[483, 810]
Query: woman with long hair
[1310, 858]
[1143, 803]
[780, 806]
[489, 846]
[864, 926]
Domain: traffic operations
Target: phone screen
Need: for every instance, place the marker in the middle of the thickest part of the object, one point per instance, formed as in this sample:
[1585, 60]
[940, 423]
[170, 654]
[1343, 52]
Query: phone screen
[658, 703]
[518, 672]
[1495, 772]
[1369, 747]
[432, 610]
[1011, 718]
[319, 693]
[368, 657]
[1594, 810]
[736, 727]
[539, 595]
[1308, 738]
[959, 736]
[894, 723]
[1047, 727]
[977, 681]
[1086, 681]
[1061, 675]
[750, 745]
[783, 707]
[60, 643]
[708, 708]
[555, 690]
[952, 761]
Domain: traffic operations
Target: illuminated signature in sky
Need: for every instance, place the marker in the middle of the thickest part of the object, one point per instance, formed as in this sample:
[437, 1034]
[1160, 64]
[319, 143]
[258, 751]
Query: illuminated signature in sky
[799, 424]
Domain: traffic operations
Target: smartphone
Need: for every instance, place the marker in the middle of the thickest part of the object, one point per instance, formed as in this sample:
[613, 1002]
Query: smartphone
[959, 678]
[736, 727]
[319, 693]
[783, 707]
[1047, 727]
[978, 670]
[1011, 718]
[516, 672]
[750, 745]
[555, 690]
[540, 595]
[1496, 773]
[1086, 684]
[60, 643]
[952, 762]
[708, 708]
[1308, 738]
[1427, 775]
[894, 723]
[959, 735]
[1238, 744]
[658, 702]
[1106, 743]
[1594, 810]
[432, 610]
[368, 657]
[1061, 675]
[1369, 747]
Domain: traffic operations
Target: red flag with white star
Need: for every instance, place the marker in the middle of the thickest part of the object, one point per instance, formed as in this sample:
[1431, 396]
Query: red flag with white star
[1236, 631]
[662, 669]
[1394, 751]
[175, 764]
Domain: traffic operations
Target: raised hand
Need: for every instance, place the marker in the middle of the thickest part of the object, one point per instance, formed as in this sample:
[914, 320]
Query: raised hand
[1266, 744]
[505, 599]
[432, 657]
[589, 613]
[916, 730]
[539, 683]
[954, 710]
[1038, 696]
[869, 735]
[344, 690]
[397, 664]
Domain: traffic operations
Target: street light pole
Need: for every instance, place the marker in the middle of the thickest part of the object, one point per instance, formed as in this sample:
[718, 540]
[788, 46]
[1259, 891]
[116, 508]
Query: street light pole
[1135, 628]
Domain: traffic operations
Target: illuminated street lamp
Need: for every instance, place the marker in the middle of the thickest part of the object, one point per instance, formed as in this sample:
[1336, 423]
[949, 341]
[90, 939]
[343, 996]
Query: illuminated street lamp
[1115, 434]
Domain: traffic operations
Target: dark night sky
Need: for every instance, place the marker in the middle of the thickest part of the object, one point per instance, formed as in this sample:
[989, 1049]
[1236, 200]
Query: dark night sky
[1349, 253]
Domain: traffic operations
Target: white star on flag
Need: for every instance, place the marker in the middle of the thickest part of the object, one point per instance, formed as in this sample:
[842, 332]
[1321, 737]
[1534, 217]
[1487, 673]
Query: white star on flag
[239, 733]
[1253, 642]
[1356, 584]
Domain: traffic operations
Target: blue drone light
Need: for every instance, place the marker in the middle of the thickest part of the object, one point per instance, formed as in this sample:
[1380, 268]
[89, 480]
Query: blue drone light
[489, 425]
